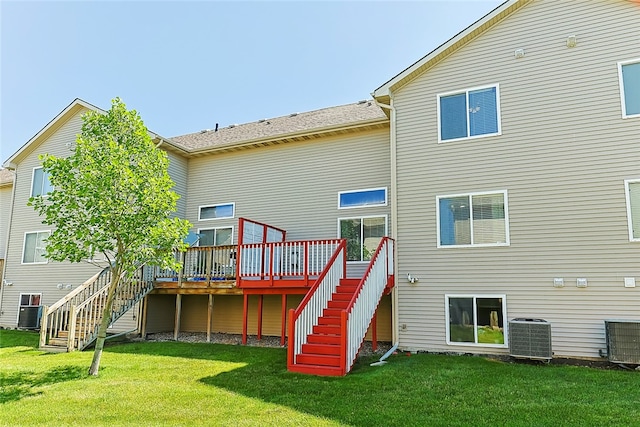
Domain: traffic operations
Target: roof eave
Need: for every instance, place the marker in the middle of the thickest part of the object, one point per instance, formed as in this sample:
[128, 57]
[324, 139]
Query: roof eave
[383, 93]
[311, 133]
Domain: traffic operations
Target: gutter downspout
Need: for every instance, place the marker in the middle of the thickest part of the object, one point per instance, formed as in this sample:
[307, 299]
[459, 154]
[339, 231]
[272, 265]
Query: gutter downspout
[6, 247]
[394, 222]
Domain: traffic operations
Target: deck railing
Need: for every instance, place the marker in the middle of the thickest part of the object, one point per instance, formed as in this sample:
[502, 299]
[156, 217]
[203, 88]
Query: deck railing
[303, 260]
[356, 318]
[202, 264]
[302, 320]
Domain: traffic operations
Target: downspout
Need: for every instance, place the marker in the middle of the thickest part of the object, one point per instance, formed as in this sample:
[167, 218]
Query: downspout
[394, 224]
[12, 168]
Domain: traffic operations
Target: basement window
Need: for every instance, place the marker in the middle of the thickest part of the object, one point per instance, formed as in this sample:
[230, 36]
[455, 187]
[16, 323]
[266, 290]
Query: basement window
[476, 320]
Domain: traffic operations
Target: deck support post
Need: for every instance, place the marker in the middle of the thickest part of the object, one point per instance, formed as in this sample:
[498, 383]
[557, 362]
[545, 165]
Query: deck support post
[245, 314]
[283, 330]
[260, 306]
[374, 331]
[143, 321]
[176, 327]
[209, 317]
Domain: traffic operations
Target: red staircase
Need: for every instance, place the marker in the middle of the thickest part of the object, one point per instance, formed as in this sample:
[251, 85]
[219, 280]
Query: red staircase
[321, 354]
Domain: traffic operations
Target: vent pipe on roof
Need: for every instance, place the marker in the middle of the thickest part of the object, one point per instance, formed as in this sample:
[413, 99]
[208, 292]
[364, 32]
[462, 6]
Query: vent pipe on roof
[216, 128]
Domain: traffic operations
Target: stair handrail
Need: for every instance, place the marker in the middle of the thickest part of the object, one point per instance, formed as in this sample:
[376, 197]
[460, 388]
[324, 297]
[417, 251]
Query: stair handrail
[89, 314]
[303, 318]
[56, 317]
[357, 316]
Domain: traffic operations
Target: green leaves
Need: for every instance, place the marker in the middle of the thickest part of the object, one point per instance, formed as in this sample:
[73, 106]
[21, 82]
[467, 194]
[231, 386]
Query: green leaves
[112, 196]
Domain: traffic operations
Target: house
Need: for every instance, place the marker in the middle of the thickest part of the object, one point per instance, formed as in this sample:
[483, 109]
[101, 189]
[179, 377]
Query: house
[504, 164]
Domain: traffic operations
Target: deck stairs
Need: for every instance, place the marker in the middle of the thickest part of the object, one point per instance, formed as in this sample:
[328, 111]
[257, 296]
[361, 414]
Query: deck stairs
[72, 322]
[329, 327]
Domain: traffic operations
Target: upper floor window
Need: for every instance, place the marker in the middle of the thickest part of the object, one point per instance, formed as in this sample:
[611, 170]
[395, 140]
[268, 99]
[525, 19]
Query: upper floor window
[362, 198]
[226, 210]
[476, 219]
[34, 247]
[363, 235]
[40, 184]
[468, 114]
[633, 208]
[629, 75]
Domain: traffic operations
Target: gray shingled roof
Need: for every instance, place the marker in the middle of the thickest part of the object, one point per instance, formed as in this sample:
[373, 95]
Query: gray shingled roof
[6, 177]
[333, 117]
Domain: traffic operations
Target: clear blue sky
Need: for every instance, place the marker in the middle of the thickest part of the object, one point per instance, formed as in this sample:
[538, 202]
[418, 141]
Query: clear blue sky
[185, 66]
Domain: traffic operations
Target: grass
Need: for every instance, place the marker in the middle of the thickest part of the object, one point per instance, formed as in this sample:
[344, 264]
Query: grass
[152, 383]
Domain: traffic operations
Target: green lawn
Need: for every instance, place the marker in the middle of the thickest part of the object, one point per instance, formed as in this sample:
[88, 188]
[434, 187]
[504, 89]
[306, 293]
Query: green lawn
[155, 383]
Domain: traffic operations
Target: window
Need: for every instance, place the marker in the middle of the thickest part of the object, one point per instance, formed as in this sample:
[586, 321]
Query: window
[34, 247]
[476, 320]
[468, 114]
[632, 189]
[216, 236]
[478, 219]
[629, 75]
[226, 210]
[363, 236]
[30, 300]
[40, 184]
[362, 198]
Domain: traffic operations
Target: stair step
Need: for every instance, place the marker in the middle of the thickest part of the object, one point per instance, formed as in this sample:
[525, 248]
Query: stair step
[58, 342]
[332, 312]
[323, 339]
[329, 320]
[350, 282]
[346, 289]
[318, 359]
[327, 371]
[338, 296]
[54, 348]
[337, 304]
[333, 349]
[327, 329]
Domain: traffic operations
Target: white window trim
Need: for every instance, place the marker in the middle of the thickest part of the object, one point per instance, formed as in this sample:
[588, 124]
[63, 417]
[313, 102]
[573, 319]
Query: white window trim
[628, 200]
[386, 198]
[386, 229]
[33, 177]
[217, 228]
[466, 91]
[24, 246]
[233, 207]
[470, 195]
[621, 86]
[475, 296]
[20, 305]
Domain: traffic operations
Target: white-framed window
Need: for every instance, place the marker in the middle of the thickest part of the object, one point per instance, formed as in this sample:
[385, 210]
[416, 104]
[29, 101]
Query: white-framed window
[473, 219]
[629, 76]
[470, 113]
[221, 211]
[632, 190]
[40, 184]
[30, 300]
[366, 198]
[33, 250]
[220, 236]
[477, 320]
[363, 235]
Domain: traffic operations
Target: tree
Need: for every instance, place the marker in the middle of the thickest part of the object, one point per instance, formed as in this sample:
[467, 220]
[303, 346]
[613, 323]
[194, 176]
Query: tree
[113, 197]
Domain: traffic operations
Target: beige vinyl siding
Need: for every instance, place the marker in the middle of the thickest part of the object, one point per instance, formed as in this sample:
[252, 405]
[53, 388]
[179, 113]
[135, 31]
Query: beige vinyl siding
[41, 278]
[293, 186]
[5, 213]
[178, 171]
[563, 156]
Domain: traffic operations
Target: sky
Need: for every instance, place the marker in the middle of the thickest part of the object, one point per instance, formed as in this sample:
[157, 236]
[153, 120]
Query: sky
[185, 66]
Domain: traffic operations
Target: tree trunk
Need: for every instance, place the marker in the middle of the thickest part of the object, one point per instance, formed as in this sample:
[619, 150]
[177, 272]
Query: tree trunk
[104, 324]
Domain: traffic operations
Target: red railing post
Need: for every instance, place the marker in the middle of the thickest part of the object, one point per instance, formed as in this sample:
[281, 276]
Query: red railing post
[344, 345]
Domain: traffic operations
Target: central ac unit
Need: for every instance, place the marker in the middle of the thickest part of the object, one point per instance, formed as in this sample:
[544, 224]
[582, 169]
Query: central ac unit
[530, 338]
[29, 317]
[623, 341]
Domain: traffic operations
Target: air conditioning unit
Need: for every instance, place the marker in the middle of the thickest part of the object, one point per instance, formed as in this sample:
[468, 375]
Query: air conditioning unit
[623, 341]
[530, 339]
[29, 317]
